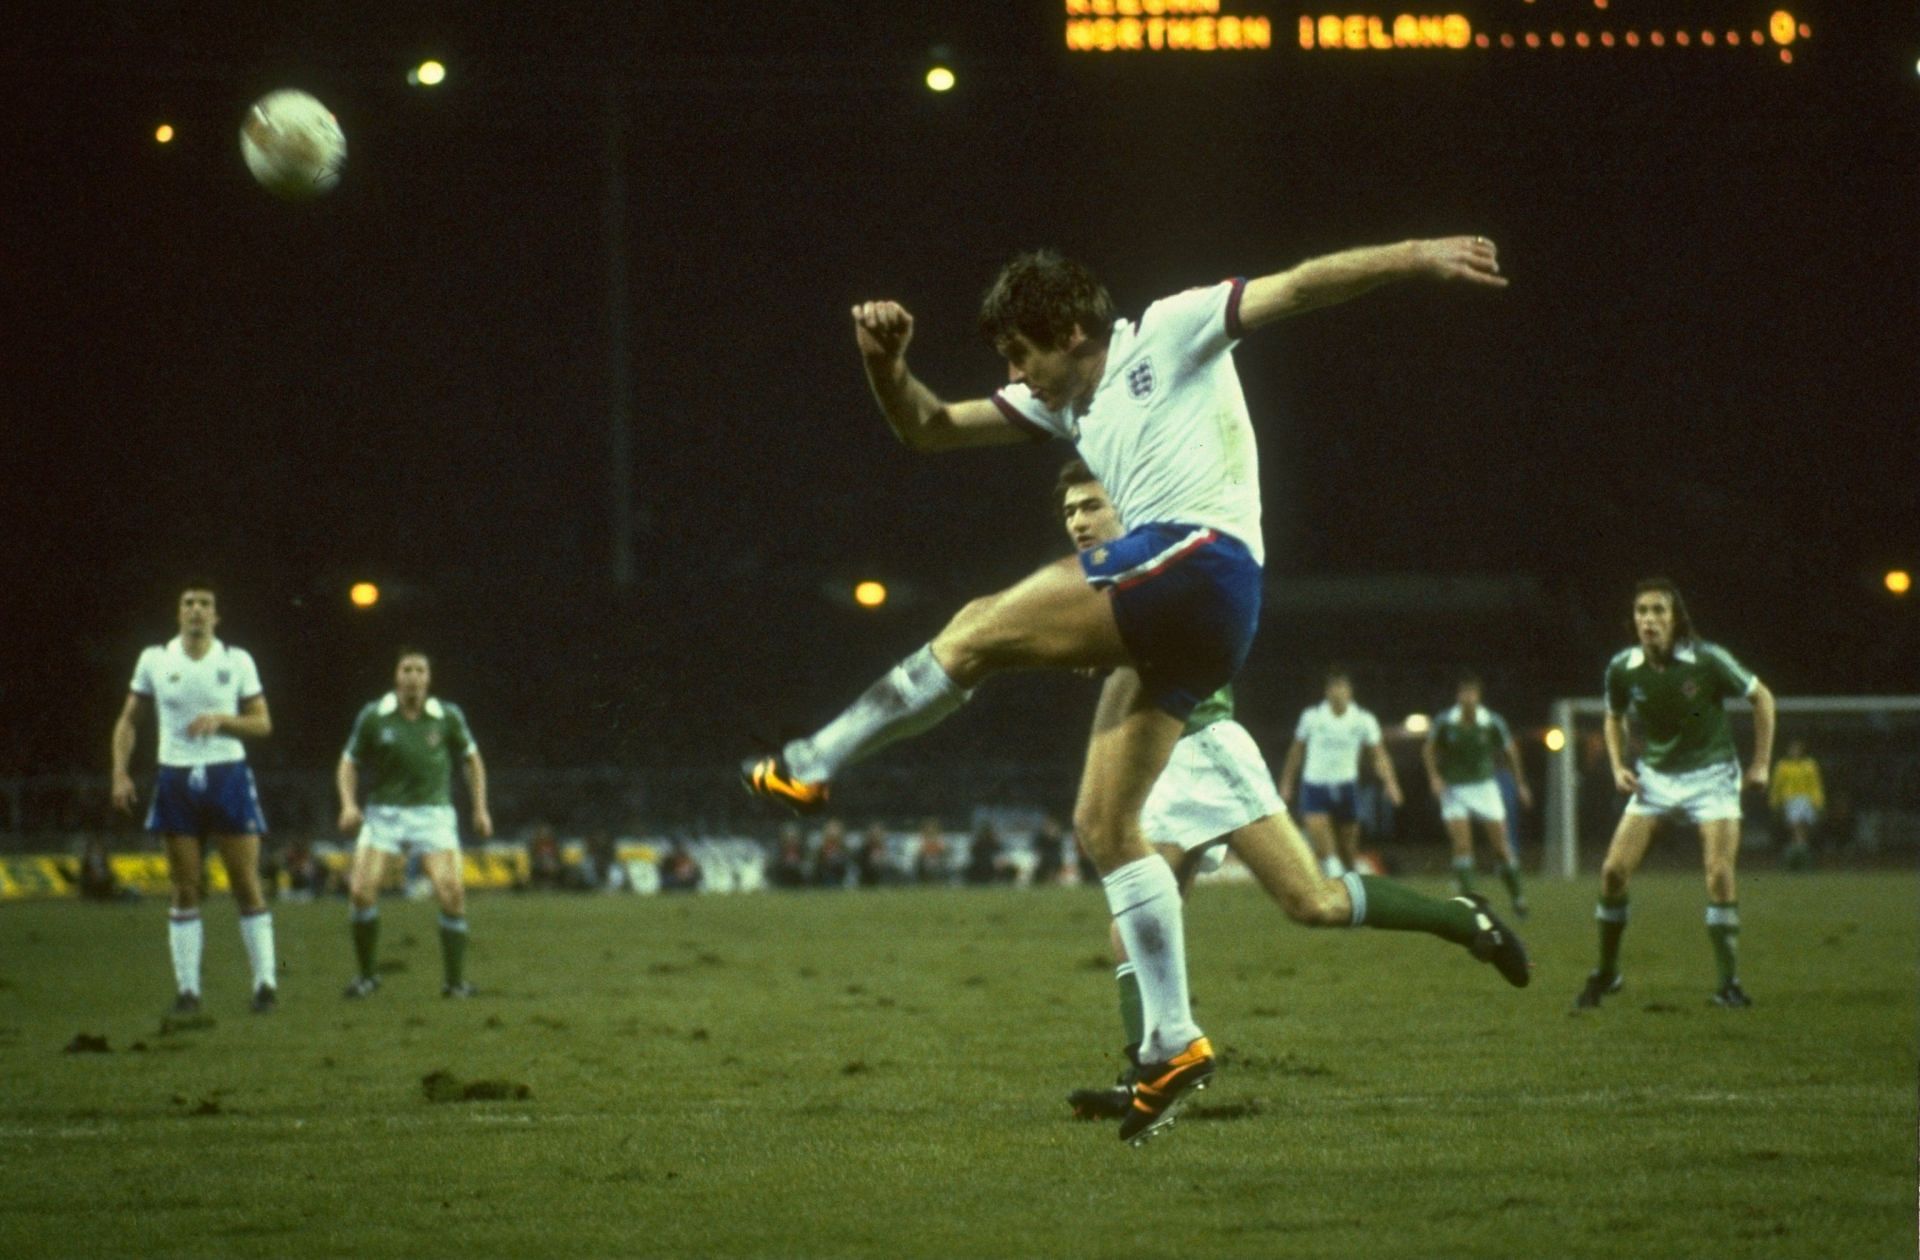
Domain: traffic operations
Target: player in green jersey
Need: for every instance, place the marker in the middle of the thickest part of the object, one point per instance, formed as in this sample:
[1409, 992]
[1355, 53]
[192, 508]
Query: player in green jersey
[1677, 685]
[408, 741]
[1461, 752]
[1217, 793]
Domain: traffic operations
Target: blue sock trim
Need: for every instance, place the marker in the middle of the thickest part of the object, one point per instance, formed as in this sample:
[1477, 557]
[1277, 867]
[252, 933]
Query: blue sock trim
[366, 915]
[450, 924]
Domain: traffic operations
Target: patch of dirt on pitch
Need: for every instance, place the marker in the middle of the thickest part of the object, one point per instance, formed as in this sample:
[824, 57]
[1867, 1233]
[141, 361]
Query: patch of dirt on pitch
[1240, 1109]
[87, 1043]
[443, 1086]
[1288, 1064]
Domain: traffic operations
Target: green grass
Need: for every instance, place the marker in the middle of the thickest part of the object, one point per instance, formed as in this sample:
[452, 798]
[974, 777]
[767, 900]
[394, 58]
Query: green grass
[883, 1075]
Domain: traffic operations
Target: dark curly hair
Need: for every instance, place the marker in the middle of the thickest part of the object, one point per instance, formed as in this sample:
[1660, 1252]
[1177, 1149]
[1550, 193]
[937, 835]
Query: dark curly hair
[1043, 297]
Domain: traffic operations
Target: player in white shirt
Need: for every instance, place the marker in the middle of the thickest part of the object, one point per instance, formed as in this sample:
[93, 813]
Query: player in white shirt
[207, 698]
[1216, 793]
[1156, 409]
[1325, 757]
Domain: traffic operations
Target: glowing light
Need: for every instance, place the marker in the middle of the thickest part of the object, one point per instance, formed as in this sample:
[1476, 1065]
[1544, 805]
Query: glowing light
[1581, 39]
[163, 134]
[1706, 37]
[869, 594]
[1533, 40]
[940, 79]
[1899, 581]
[427, 74]
[1506, 41]
[1657, 39]
[1782, 27]
[1786, 55]
[1417, 724]
[363, 594]
[1606, 39]
[1633, 39]
[1682, 38]
[1481, 40]
[1805, 30]
[1555, 739]
[1559, 40]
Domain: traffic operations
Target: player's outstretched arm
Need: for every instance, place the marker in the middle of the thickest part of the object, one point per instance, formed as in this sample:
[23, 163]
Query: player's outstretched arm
[476, 771]
[1623, 776]
[920, 418]
[346, 777]
[252, 722]
[1383, 767]
[1760, 768]
[1335, 278]
[1290, 772]
[123, 738]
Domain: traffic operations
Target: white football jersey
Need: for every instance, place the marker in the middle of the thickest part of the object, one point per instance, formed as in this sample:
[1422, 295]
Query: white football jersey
[1335, 741]
[182, 688]
[1167, 431]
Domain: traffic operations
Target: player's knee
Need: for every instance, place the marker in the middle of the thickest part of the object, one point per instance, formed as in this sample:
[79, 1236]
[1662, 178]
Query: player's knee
[1101, 834]
[1720, 881]
[452, 896]
[1613, 878]
[1321, 903]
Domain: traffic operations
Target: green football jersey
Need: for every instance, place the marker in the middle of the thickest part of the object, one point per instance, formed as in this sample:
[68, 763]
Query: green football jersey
[1681, 707]
[410, 759]
[1217, 707]
[1465, 750]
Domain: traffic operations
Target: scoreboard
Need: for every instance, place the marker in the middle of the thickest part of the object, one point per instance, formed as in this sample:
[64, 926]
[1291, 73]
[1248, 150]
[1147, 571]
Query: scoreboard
[1615, 27]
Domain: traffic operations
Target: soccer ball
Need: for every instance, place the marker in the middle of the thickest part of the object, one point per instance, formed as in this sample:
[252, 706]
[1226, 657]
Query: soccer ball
[293, 145]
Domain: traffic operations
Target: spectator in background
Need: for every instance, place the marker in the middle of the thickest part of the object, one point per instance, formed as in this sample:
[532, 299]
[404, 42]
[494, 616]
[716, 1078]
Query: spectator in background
[1049, 851]
[930, 854]
[546, 869]
[789, 866]
[1799, 797]
[986, 857]
[94, 875]
[306, 877]
[831, 864]
[602, 868]
[873, 865]
[679, 872]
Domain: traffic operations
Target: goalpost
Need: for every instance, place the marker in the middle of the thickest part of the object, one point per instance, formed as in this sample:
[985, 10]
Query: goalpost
[1877, 738]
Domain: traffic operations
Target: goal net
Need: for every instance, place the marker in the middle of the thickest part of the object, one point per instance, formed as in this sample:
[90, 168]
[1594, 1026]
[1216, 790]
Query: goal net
[1867, 749]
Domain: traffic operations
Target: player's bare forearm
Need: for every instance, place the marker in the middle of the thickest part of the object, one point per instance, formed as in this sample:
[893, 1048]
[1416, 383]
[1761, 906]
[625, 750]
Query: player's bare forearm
[123, 740]
[1290, 773]
[1763, 723]
[1335, 278]
[346, 779]
[1616, 736]
[476, 772]
[909, 406]
[1383, 767]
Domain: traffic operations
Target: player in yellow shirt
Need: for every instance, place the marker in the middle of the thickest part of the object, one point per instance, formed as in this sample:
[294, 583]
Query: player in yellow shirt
[1799, 797]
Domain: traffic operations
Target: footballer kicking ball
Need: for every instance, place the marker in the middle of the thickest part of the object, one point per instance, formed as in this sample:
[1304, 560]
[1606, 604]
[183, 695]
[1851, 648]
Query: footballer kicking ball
[293, 145]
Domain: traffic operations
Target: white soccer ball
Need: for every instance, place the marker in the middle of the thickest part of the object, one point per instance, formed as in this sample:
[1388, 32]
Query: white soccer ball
[293, 145]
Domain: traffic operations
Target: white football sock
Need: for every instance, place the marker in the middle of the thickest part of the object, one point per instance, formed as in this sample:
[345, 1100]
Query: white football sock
[184, 937]
[1332, 867]
[915, 696]
[256, 933]
[1145, 900]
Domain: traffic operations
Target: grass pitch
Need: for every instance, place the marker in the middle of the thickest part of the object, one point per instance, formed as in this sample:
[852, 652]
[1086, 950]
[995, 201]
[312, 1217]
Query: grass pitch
[883, 1075]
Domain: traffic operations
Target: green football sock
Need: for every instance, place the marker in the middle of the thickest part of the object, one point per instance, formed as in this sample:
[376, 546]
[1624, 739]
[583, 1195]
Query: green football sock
[1463, 874]
[1510, 876]
[1381, 903]
[366, 937]
[1723, 929]
[1612, 916]
[453, 946]
[1131, 1016]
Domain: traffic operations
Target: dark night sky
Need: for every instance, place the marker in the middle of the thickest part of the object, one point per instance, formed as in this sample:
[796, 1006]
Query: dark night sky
[1706, 364]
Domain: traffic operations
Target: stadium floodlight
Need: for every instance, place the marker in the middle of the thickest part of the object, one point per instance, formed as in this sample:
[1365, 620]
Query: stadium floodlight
[428, 73]
[940, 79]
[1899, 581]
[1555, 739]
[163, 134]
[363, 594]
[1417, 724]
[869, 594]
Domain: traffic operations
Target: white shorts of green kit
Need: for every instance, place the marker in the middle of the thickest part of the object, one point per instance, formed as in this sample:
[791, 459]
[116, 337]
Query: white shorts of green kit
[1709, 794]
[1481, 800]
[390, 828]
[1215, 782]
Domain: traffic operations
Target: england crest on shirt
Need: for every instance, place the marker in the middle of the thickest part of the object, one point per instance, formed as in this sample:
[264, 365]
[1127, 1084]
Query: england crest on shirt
[1141, 380]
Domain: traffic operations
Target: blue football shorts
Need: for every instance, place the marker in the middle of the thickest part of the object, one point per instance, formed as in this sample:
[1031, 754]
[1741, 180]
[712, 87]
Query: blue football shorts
[1335, 800]
[1187, 600]
[215, 800]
